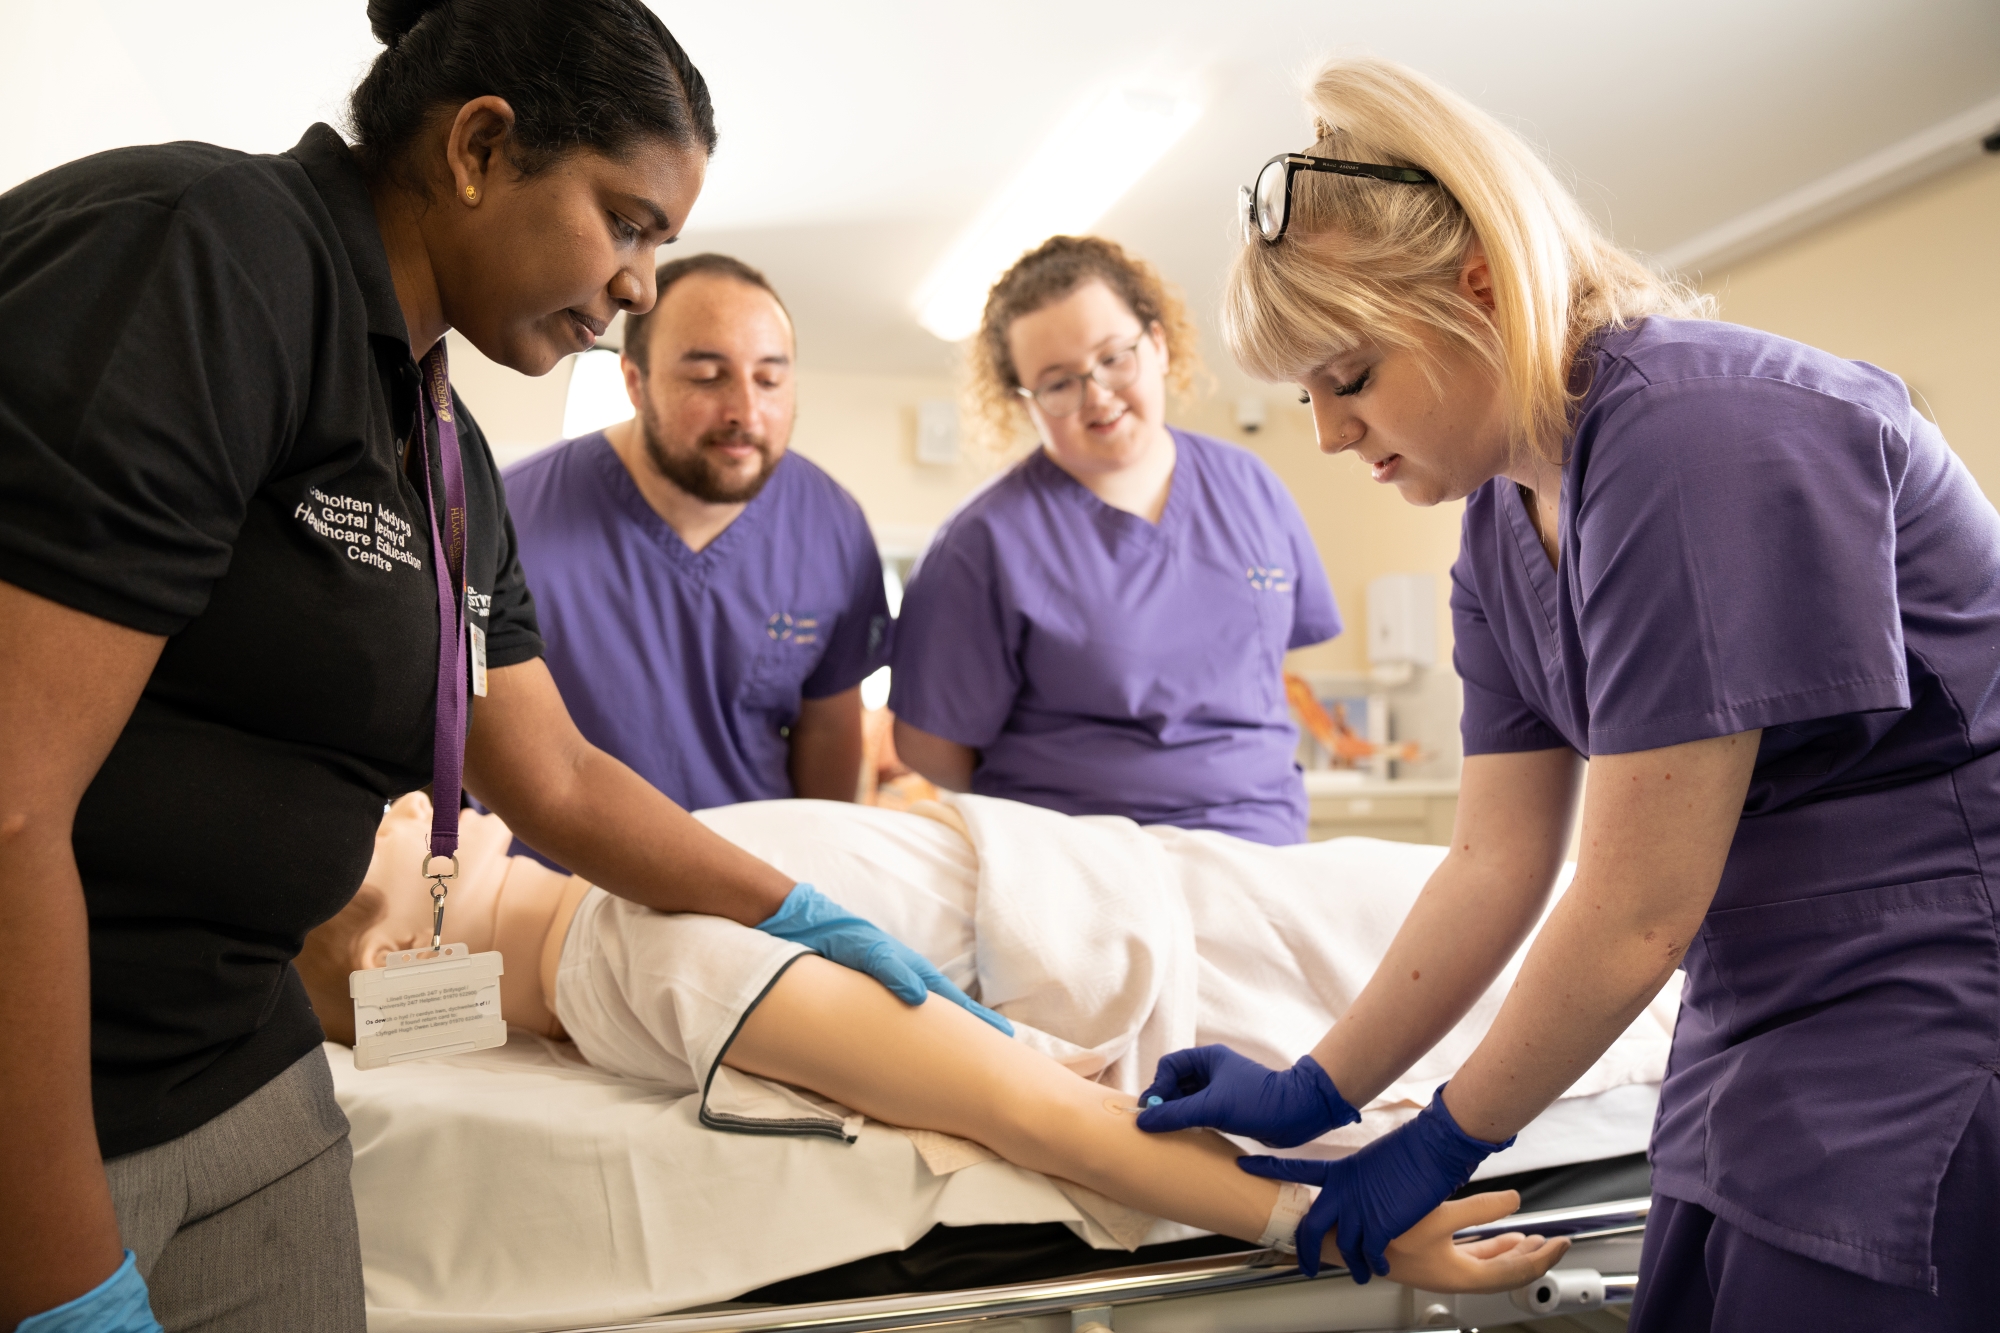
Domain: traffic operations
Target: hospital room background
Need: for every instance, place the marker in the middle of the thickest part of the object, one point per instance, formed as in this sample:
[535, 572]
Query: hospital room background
[1817, 168]
[1829, 170]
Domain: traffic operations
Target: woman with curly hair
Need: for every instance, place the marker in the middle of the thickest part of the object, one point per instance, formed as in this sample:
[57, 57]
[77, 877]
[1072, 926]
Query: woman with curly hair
[1100, 630]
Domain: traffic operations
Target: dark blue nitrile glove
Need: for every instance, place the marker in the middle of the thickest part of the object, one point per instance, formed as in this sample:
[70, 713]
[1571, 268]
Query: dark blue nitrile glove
[811, 918]
[116, 1305]
[1382, 1191]
[1215, 1088]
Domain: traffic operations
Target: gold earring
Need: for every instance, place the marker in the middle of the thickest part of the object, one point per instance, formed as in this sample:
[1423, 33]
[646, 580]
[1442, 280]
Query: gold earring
[471, 195]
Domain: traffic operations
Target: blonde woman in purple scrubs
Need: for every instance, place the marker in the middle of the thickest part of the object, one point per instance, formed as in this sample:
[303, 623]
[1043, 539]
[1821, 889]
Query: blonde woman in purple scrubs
[1760, 594]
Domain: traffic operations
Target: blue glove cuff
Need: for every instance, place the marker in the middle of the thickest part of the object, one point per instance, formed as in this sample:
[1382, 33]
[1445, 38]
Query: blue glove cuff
[1457, 1152]
[801, 905]
[1339, 1111]
[116, 1305]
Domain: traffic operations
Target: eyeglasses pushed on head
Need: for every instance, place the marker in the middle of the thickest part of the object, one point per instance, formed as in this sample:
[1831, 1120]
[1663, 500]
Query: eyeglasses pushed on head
[1267, 205]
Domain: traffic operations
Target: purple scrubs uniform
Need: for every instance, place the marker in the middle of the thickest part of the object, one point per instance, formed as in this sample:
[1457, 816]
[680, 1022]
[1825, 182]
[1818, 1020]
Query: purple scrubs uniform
[1102, 664]
[690, 666]
[1756, 534]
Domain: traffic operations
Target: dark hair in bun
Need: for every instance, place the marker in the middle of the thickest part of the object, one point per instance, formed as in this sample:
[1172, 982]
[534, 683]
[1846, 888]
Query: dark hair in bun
[390, 19]
[598, 74]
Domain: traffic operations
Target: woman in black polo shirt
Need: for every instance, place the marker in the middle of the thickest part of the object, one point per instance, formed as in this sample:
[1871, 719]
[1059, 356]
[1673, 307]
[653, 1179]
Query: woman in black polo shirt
[223, 627]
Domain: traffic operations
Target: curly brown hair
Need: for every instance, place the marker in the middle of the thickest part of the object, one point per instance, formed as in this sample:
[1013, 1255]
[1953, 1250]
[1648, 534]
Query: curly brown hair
[1040, 278]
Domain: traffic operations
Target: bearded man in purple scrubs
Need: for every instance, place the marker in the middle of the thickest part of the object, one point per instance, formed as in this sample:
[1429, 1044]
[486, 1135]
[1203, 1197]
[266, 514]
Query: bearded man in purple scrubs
[711, 602]
[1103, 629]
[1755, 588]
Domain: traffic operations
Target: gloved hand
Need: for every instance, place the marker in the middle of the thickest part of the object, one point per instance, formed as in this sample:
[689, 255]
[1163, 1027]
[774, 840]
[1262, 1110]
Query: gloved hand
[1214, 1087]
[811, 918]
[116, 1305]
[1382, 1191]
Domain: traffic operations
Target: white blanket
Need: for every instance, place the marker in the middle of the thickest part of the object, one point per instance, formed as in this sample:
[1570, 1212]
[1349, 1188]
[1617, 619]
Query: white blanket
[1132, 942]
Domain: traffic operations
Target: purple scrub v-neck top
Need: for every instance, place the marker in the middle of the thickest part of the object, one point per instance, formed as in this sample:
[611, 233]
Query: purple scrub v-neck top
[690, 665]
[1757, 534]
[1102, 664]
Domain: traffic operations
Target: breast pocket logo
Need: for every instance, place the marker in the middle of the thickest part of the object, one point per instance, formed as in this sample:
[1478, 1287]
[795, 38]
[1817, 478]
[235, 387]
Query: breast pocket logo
[1271, 579]
[792, 629]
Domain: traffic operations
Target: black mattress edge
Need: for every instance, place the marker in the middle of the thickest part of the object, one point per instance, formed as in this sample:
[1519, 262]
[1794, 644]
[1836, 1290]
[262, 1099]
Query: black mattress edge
[957, 1258]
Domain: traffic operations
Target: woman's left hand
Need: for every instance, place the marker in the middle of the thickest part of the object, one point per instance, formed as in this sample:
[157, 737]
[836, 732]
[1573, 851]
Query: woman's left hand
[1382, 1191]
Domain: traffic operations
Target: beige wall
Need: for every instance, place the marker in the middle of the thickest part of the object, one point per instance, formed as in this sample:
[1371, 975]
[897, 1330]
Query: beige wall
[863, 430]
[1911, 284]
[517, 414]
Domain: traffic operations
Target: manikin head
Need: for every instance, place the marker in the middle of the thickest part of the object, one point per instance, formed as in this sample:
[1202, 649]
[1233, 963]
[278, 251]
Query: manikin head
[1073, 306]
[1434, 327]
[709, 372]
[542, 152]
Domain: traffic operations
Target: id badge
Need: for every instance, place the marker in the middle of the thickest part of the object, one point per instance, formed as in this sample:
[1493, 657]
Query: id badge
[478, 660]
[423, 1003]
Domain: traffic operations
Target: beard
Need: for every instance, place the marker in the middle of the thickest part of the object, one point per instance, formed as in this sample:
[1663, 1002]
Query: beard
[701, 474]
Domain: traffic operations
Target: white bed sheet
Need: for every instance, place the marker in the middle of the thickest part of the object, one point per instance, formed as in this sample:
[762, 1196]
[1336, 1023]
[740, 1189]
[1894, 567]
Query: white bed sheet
[519, 1189]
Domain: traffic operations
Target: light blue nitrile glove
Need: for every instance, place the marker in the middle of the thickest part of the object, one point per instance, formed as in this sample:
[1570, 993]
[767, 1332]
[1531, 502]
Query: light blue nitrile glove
[1383, 1190]
[1215, 1088]
[811, 918]
[116, 1305]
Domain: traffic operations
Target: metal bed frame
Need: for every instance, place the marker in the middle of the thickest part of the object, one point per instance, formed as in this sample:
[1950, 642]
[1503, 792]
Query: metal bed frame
[1257, 1291]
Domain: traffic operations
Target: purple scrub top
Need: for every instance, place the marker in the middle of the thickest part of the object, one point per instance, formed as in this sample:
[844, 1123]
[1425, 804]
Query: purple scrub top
[687, 665]
[1104, 665]
[1756, 534]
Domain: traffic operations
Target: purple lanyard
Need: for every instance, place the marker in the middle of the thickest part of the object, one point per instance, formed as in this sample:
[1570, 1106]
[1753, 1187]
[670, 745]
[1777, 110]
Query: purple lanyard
[448, 557]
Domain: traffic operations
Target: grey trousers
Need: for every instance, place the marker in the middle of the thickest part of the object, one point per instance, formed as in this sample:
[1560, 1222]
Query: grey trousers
[247, 1224]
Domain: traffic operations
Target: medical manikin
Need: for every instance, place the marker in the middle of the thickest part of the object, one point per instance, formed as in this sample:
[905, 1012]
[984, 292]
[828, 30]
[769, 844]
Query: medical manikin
[609, 976]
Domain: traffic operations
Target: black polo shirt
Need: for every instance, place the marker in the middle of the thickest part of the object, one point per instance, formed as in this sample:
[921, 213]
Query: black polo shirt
[205, 389]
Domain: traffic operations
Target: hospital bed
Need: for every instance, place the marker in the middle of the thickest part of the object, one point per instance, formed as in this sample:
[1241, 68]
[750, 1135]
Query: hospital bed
[520, 1191]
[1248, 1292]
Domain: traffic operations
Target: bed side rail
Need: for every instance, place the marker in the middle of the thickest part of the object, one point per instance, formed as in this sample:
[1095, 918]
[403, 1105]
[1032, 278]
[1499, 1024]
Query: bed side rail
[1181, 1288]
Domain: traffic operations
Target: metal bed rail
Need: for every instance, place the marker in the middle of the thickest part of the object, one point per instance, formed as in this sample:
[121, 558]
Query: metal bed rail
[1255, 1291]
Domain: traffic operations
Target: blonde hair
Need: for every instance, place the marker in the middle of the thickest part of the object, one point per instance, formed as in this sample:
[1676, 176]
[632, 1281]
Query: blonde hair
[1040, 278]
[1369, 261]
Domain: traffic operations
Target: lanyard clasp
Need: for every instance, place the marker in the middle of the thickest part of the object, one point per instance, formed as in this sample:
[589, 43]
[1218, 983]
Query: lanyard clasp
[438, 890]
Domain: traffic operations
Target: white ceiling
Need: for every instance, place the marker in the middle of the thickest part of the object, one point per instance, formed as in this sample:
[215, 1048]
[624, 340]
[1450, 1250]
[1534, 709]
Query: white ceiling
[858, 138]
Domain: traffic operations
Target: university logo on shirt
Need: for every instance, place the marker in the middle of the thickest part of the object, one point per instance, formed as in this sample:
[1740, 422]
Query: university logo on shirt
[792, 629]
[1271, 579]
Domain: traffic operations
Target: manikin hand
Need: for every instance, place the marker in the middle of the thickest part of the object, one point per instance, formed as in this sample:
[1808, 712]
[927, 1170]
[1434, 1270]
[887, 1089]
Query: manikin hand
[1425, 1256]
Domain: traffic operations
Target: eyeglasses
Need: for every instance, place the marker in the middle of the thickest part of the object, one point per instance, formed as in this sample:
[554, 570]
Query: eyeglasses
[1114, 371]
[1267, 206]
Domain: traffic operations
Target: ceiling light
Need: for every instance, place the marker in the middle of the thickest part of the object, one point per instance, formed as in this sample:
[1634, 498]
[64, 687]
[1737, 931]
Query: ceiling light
[1085, 166]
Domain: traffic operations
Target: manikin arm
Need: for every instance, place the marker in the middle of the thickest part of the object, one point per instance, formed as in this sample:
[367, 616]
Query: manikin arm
[936, 1067]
